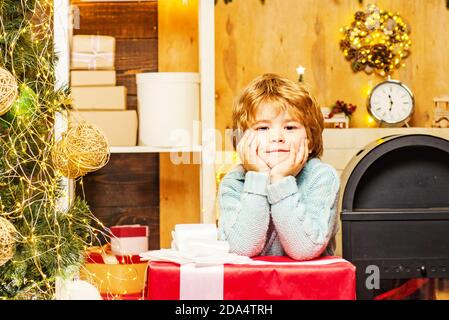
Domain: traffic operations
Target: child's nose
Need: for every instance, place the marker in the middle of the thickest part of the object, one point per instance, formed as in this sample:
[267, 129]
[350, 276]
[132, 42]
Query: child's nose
[277, 136]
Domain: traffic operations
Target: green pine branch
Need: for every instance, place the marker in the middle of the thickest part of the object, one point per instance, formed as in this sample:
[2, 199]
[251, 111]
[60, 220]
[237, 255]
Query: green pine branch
[49, 242]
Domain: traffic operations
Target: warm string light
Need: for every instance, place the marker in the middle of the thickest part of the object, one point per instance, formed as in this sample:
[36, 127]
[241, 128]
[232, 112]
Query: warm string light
[28, 177]
[224, 167]
[376, 41]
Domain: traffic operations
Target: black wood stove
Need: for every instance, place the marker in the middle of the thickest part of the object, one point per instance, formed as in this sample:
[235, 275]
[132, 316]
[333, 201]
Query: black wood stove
[395, 211]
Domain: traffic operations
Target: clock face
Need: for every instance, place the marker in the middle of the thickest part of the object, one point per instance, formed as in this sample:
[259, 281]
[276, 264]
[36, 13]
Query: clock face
[391, 102]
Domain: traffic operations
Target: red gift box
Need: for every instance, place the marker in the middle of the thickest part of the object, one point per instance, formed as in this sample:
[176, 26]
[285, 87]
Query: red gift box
[327, 278]
[128, 231]
[129, 239]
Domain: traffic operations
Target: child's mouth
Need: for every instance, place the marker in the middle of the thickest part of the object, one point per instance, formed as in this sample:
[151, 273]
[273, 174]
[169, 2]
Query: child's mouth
[272, 151]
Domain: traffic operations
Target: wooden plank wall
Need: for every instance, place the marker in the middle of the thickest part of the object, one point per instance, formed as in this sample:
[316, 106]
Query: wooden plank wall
[126, 191]
[178, 52]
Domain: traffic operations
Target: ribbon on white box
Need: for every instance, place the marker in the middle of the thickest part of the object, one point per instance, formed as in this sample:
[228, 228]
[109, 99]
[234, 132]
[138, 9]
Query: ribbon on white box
[129, 239]
[206, 283]
[91, 57]
[129, 245]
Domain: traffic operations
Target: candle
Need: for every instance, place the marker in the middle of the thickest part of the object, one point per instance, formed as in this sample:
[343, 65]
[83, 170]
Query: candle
[300, 70]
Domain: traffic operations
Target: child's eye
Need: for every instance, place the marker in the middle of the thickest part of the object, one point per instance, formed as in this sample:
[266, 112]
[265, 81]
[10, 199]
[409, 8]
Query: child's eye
[262, 128]
[291, 127]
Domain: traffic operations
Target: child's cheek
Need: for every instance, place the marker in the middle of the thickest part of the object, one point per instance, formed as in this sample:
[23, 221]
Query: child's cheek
[261, 143]
[298, 143]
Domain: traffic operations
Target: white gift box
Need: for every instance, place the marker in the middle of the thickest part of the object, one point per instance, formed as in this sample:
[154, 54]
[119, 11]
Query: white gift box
[93, 52]
[129, 239]
[168, 106]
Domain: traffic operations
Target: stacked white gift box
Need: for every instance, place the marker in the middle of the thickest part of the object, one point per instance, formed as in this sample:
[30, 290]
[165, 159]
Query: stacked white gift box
[96, 98]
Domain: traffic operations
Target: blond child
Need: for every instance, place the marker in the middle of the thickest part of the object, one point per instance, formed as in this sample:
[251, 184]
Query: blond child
[282, 198]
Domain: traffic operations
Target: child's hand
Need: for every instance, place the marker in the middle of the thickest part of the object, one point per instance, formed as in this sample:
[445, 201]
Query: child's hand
[247, 150]
[293, 164]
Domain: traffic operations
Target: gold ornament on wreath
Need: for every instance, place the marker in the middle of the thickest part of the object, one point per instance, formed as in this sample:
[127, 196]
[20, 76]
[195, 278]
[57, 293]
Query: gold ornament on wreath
[82, 149]
[8, 90]
[376, 41]
[7, 240]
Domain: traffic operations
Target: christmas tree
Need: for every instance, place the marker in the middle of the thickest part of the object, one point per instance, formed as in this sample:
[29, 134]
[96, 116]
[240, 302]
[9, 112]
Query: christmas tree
[39, 240]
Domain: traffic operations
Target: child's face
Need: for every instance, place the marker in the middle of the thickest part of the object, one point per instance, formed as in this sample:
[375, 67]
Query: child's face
[275, 133]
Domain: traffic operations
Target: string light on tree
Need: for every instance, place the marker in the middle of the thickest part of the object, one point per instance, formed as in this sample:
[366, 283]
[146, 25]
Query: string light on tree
[48, 241]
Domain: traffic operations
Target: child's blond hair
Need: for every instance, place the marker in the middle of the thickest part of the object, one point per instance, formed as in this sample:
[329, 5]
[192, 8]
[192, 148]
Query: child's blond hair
[285, 95]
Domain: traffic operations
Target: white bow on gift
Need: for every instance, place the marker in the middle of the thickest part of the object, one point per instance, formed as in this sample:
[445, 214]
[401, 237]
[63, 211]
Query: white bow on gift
[197, 244]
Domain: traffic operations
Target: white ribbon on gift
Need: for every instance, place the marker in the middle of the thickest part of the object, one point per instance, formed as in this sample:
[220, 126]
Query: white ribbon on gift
[206, 283]
[91, 57]
[201, 283]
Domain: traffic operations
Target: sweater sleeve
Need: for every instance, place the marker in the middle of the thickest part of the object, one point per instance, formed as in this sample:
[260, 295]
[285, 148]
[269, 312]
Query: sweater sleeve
[244, 213]
[305, 226]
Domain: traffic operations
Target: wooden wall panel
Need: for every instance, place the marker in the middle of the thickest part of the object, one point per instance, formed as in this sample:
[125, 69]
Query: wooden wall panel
[179, 201]
[178, 52]
[178, 35]
[118, 19]
[126, 191]
[136, 55]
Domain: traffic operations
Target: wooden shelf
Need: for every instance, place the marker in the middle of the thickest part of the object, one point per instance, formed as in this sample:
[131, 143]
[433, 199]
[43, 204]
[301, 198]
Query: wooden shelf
[146, 149]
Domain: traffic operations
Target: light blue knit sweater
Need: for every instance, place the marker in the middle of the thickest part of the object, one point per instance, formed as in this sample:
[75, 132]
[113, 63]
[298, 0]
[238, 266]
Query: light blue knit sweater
[294, 216]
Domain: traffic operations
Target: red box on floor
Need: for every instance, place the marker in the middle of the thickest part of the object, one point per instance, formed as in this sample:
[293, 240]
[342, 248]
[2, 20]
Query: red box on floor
[327, 278]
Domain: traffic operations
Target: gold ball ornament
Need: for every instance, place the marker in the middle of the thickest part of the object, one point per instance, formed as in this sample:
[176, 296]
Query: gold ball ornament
[63, 164]
[8, 90]
[7, 240]
[82, 149]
